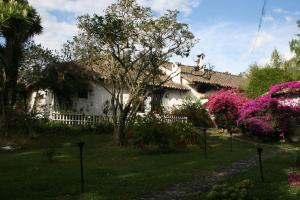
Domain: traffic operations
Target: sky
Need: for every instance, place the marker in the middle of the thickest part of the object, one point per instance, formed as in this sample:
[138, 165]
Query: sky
[227, 29]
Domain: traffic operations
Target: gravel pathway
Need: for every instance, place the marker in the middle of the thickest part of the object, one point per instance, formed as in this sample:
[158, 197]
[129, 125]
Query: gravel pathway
[202, 184]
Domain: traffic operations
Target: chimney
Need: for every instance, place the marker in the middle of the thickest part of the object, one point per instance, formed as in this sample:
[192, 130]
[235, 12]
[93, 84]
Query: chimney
[200, 61]
[176, 73]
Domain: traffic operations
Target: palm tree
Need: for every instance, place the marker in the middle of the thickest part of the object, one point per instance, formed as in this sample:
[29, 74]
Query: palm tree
[19, 22]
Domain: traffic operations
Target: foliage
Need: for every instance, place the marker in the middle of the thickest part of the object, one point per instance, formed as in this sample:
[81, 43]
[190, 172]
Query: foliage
[294, 179]
[225, 106]
[19, 22]
[240, 191]
[151, 130]
[27, 124]
[270, 113]
[195, 112]
[127, 46]
[278, 70]
[261, 78]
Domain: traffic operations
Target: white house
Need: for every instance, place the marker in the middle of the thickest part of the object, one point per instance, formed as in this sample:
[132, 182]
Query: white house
[186, 81]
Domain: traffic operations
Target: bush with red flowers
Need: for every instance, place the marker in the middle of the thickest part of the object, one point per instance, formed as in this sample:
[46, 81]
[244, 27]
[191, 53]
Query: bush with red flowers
[270, 114]
[225, 107]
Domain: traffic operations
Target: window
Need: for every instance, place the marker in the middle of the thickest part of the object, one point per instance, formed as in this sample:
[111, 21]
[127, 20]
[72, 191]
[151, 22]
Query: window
[204, 88]
[156, 100]
[141, 108]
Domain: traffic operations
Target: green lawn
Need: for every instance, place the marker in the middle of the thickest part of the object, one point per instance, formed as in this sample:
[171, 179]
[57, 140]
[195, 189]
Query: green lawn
[110, 172]
[276, 186]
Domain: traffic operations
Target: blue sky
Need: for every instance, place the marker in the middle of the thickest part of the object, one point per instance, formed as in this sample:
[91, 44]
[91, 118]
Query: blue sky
[226, 29]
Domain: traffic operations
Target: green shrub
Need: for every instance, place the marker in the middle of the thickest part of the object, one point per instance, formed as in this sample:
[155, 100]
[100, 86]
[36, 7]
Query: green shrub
[28, 125]
[194, 111]
[60, 128]
[152, 131]
[239, 191]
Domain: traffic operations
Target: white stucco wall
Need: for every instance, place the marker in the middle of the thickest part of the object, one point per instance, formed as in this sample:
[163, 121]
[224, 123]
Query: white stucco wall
[41, 102]
[97, 96]
[173, 98]
[175, 73]
[93, 105]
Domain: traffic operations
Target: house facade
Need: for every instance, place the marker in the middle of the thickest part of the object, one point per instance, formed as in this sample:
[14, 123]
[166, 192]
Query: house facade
[185, 82]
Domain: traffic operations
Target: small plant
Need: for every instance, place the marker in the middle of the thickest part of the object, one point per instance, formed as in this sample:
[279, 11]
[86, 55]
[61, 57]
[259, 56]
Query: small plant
[50, 152]
[239, 191]
[294, 179]
[195, 112]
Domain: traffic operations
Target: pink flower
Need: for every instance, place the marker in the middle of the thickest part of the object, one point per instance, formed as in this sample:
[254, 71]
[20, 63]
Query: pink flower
[268, 114]
[294, 179]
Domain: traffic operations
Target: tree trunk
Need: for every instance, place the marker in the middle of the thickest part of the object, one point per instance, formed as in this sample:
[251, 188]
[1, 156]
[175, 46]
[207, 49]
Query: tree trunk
[120, 130]
[3, 127]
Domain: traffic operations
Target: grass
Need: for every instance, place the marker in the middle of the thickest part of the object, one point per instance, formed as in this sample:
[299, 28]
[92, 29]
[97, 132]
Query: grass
[110, 172]
[276, 170]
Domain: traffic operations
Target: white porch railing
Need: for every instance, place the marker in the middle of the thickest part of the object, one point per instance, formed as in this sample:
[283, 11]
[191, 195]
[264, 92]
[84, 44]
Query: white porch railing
[174, 118]
[78, 119]
[82, 119]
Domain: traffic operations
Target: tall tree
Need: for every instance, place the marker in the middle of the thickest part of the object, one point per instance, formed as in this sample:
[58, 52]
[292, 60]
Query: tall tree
[128, 45]
[18, 23]
[261, 78]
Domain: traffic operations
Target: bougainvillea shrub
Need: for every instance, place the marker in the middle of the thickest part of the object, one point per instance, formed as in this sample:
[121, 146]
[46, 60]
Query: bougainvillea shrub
[225, 107]
[294, 179]
[271, 113]
[256, 116]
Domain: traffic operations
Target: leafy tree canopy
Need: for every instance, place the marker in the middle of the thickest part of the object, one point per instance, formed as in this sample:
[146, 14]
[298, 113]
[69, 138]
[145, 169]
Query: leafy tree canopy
[278, 70]
[128, 45]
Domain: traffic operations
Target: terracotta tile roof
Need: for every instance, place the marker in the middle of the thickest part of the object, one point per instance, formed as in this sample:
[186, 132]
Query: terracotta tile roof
[97, 74]
[171, 85]
[217, 78]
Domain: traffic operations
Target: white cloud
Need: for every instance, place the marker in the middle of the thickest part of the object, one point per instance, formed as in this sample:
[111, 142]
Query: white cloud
[268, 18]
[229, 46]
[161, 6]
[280, 11]
[261, 40]
[77, 6]
[289, 18]
[57, 31]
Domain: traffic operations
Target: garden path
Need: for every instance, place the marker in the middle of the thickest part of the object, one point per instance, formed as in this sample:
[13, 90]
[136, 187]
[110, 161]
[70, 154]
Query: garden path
[199, 185]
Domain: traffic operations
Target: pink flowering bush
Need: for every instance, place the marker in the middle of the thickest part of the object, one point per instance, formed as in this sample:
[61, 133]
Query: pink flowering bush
[270, 114]
[225, 106]
[294, 179]
[287, 86]
[256, 117]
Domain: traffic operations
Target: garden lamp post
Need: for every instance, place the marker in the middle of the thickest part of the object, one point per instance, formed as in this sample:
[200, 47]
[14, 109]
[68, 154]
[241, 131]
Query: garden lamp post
[230, 132]
[80, 145]
[205, 143]
[259, 151]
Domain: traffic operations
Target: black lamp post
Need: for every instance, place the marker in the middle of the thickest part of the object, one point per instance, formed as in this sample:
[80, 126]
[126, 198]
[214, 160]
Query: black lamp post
[205, 143]
[230, 132]
[259, 151]
[80, 145]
